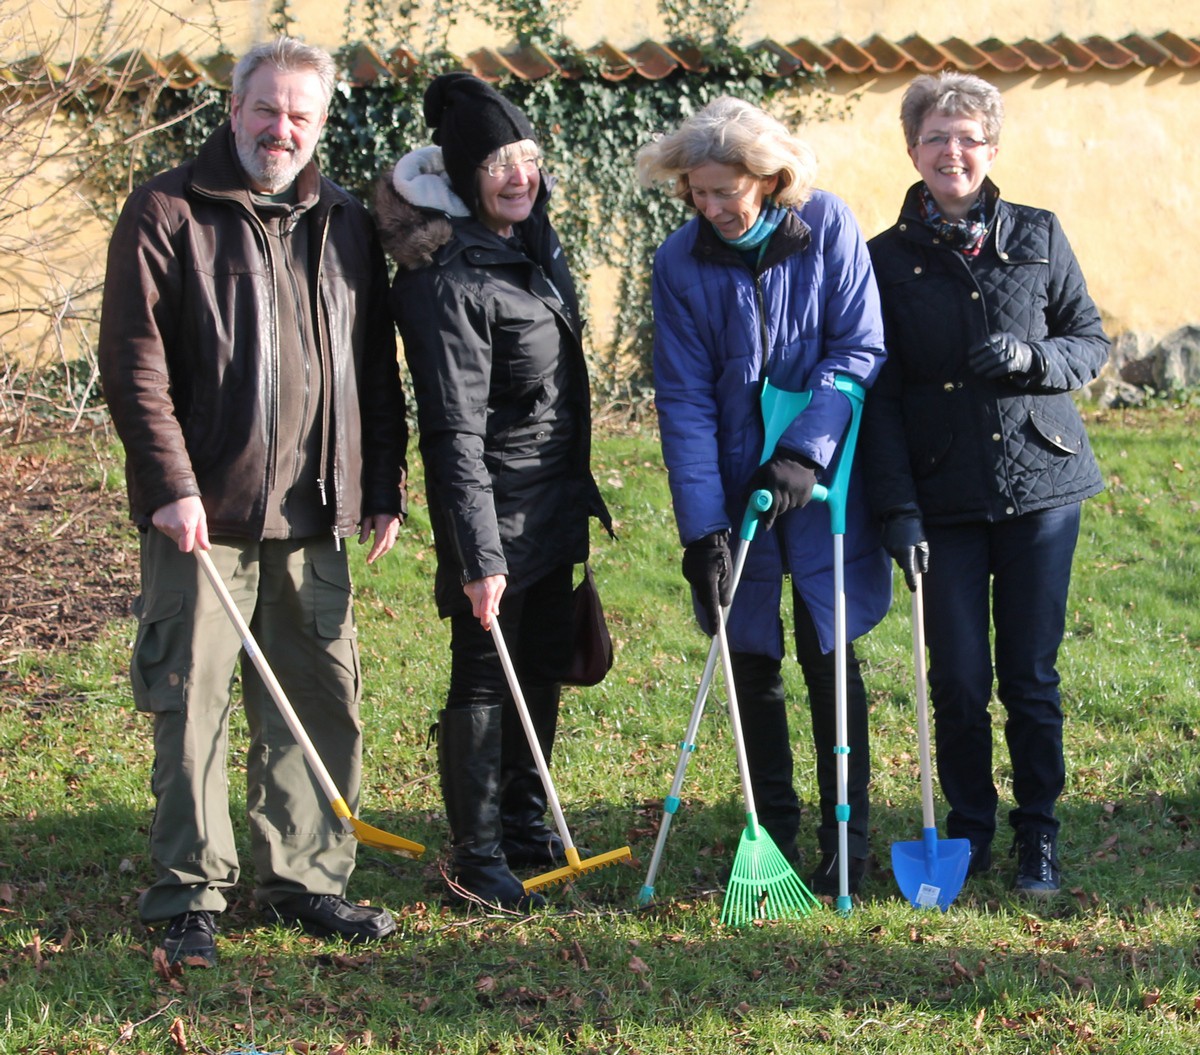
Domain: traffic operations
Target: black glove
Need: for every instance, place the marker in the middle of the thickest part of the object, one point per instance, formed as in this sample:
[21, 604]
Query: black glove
[999, 355]
[790, 478]
[709, 568]
[904, 539]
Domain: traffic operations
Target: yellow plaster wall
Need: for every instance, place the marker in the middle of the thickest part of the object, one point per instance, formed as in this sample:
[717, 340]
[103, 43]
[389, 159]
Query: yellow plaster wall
[1113, 153]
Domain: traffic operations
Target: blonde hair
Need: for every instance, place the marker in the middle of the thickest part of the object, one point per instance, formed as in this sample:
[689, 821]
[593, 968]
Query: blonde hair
[730, 131]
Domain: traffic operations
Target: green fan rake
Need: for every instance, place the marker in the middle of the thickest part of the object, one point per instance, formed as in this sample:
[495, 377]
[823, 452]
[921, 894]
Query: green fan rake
[763, 885]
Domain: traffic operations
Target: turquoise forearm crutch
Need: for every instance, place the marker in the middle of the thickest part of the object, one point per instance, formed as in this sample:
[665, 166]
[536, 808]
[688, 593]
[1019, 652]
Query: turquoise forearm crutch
[834, 496]
[779, 410]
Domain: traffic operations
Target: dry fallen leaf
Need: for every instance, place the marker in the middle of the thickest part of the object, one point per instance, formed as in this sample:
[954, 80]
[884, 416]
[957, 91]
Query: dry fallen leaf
[179, 1036]
[638, 966]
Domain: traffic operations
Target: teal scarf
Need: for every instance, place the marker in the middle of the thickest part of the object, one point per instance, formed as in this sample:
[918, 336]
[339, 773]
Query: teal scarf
[770, 216]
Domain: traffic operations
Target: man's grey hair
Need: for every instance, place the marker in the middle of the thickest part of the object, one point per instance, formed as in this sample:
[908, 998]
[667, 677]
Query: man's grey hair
[287, 56]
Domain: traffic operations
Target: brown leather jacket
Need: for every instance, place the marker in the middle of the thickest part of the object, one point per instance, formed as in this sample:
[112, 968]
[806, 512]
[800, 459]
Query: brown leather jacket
[189, 349]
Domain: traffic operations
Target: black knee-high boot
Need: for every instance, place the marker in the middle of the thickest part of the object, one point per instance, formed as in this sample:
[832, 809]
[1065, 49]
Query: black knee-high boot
[528, 842]
[469, 763]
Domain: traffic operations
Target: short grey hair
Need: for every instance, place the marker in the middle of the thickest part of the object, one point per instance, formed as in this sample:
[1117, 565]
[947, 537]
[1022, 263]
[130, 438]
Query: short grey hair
[730, 131]
[288, 56]
[952, 94]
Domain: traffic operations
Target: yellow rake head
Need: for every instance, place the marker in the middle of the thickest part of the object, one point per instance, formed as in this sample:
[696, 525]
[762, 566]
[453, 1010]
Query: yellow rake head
[575, 867]
[369, 835]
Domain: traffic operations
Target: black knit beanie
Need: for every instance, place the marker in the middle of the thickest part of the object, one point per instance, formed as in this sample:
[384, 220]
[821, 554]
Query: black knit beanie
[470, 119]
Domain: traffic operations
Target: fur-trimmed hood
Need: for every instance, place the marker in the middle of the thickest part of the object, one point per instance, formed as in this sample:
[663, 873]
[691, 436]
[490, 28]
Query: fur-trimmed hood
[414, 204]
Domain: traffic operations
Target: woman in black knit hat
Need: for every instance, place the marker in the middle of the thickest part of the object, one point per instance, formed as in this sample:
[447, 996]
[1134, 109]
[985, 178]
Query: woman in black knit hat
[487, 311]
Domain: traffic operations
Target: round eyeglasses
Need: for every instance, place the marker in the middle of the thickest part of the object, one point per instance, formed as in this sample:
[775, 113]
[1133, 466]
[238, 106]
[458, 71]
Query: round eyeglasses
[944, 139]
[504, 169]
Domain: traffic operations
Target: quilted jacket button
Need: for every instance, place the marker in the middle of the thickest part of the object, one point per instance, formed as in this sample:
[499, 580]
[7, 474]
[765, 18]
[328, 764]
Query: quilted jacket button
[1009, 510]
[949, 386]
[917, 270]
[996, 436]
[1003, 256]
[974, 294]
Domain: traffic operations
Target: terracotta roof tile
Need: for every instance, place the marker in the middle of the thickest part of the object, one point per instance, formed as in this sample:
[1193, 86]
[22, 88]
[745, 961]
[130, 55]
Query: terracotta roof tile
[1186, 53]
[1039, 56]
[1110, 54]
[886, 57]
[1148, 52]
[850, 57]
[1078, 58]
[966, 56]
[654, 60]
[1003, 56]
[812, 56]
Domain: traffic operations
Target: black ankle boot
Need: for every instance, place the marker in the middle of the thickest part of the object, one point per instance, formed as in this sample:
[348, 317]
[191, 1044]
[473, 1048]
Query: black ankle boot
[1037, 863]
[528, 841]
[469, 764]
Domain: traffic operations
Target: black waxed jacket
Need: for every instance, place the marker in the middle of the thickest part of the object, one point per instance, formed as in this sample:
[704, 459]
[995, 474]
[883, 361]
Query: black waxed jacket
[492, 337]
[189, 348]
[938, 439]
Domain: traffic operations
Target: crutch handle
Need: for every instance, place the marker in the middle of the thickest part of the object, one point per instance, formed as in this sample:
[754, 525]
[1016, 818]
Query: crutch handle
[760, 502]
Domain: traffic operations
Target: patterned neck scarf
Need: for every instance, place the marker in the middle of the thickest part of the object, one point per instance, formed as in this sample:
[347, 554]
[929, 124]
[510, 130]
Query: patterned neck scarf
[965, 235]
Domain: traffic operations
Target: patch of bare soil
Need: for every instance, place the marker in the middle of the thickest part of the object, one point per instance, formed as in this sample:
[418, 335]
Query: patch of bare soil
[68, 553]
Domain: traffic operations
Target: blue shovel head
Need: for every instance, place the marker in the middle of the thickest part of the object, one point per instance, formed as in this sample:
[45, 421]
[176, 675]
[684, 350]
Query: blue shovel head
[930, 873]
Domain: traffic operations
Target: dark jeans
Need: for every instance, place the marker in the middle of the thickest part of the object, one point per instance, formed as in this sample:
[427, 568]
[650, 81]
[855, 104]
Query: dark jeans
[1025, 566]
[537, 631]
[763, 707]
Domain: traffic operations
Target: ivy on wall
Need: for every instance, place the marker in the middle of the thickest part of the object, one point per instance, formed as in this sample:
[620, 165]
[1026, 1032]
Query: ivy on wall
[589, 128]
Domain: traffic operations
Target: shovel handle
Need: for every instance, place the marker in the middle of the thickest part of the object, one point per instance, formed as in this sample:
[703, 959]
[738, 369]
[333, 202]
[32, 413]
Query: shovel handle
[922, 688]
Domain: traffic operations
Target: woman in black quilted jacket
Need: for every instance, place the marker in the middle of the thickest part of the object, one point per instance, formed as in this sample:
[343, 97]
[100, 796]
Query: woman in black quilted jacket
[977, 459]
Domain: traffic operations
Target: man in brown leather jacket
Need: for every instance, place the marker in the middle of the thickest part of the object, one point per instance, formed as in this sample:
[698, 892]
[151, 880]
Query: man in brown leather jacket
[249, 362]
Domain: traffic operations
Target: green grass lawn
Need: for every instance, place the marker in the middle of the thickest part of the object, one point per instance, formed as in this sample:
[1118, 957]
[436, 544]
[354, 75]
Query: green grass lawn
[1113, 964]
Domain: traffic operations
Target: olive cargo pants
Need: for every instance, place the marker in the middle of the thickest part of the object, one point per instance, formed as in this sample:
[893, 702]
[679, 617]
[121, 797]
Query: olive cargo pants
[296, 597]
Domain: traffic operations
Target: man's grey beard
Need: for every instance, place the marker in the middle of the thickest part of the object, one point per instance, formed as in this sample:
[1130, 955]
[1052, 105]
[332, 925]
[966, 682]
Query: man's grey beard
[274, 175]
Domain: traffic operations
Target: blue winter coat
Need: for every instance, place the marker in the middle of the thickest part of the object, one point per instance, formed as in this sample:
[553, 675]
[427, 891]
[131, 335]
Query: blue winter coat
[809, 311]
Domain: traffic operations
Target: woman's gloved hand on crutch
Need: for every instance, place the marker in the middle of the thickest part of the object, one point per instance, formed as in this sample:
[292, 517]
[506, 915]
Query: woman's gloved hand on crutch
[790, 477]
[708, 567]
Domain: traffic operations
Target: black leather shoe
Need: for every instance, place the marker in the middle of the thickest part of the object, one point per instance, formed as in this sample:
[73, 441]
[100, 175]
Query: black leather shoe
[191, 939]
[825, 879]
[330, 916]
[980, 859]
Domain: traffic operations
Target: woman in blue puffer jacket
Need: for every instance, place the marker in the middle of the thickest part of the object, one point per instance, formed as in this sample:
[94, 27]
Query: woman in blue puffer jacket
[770, 279]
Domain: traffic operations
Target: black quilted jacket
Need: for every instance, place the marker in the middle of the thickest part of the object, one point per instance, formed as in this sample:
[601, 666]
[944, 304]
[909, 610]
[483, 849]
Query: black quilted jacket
[493, 345]
[940, 439]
